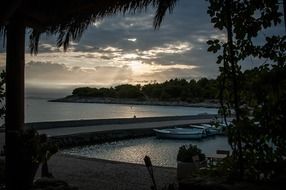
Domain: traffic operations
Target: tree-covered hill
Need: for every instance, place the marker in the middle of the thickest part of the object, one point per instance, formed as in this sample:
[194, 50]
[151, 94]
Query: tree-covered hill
[171, 90]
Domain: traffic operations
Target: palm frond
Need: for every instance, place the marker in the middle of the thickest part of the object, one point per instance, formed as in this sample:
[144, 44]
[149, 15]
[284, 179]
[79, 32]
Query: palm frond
[34, 41]
[161, 11]
[3, 34]
[68, 19]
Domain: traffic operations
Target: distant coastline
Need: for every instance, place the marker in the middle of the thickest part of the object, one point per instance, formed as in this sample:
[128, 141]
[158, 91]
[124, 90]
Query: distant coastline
[77, 99]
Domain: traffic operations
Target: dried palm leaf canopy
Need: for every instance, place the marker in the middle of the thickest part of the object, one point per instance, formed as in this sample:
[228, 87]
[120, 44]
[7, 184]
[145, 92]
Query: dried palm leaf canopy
[69, 18]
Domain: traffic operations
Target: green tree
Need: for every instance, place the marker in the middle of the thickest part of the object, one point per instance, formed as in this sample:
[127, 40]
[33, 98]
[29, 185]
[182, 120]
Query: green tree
[193, 93]
[253, 140]
[107, 92]
[171, 90]
[82, 91]
[128, 91]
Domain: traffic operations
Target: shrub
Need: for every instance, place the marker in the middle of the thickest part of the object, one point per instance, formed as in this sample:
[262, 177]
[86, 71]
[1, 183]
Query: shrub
[186, 153]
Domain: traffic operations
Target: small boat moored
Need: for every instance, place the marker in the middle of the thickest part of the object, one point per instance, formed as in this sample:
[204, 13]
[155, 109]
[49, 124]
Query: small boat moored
[211, 130]
[180, 133]
[193, 131]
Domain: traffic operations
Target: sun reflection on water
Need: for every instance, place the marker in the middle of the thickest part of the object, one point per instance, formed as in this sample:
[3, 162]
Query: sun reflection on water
[162, 152]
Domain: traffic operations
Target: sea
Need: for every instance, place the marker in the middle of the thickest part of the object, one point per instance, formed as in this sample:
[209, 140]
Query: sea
[40, 110]
[162, 152]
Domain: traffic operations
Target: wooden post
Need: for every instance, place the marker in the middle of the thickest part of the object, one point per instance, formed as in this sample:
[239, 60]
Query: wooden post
[14, 121]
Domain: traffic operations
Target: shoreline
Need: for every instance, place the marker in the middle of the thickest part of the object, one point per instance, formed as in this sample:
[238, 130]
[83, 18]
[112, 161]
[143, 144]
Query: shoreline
[90, 174]
[84, 132]
[72, 99]
[81, 171]
[52, 125]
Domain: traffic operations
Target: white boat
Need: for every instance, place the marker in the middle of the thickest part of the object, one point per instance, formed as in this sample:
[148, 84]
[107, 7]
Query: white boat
[211, 130]
[199, 127]
[180, 133]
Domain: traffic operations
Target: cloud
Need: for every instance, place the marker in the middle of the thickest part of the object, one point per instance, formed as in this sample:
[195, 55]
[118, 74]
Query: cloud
[46, 74]
[125, 39]
[166, 74]
[132, 39]
[48, 48]
[139, 21]
[169, 48]
[126, 48]
[55, 75]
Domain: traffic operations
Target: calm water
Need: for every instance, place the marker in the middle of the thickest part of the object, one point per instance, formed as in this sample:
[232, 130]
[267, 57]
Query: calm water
[42, 110]
[162, 152]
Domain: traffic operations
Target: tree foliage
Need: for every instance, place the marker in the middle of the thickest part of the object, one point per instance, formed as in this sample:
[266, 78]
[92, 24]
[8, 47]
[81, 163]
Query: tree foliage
[257, 97]
[187, 152]
[171, 90]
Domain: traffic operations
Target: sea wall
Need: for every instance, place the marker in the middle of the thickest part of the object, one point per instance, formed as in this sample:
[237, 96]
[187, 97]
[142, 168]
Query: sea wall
[80, 139]
[68, 141]
[93, 122]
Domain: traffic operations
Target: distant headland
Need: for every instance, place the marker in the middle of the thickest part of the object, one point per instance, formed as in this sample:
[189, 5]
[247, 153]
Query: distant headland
[77, 99]
[174, 92]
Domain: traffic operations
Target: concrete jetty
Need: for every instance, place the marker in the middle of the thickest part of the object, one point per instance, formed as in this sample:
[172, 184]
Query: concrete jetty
[59, 128]
[120, 128]
[83, 132]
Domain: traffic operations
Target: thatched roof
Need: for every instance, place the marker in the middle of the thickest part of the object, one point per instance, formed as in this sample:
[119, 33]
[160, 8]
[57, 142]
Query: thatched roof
[69, 18]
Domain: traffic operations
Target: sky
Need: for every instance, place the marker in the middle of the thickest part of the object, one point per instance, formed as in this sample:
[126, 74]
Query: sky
[126, 49]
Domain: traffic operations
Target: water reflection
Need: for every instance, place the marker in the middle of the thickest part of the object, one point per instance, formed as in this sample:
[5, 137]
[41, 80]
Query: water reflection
[58, 111]
[162, 152]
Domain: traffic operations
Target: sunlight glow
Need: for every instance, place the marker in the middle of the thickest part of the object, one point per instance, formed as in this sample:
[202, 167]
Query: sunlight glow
[130, 56]
[140, 68]
[170, 48]
[106, 65]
